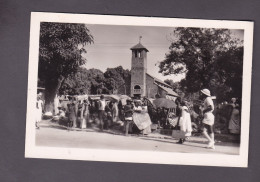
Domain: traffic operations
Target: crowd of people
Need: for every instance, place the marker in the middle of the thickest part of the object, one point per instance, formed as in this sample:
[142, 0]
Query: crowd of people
[138, 115]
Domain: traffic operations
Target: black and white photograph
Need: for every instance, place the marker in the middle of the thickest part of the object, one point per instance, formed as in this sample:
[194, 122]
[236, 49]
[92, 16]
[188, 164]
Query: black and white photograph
[139, 89]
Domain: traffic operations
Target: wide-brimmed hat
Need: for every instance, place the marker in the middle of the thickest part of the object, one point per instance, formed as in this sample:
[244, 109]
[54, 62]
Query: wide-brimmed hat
[206, 92]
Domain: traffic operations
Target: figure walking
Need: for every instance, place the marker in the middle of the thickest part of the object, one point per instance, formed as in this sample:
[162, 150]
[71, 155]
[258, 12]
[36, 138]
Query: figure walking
[208, 117]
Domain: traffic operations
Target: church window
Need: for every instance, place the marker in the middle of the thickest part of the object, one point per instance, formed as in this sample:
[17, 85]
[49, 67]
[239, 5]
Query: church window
[139, 54]
[136, 53]
[137, 87]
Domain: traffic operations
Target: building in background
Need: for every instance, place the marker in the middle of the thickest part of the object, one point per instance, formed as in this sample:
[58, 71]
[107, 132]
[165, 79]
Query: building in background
[144, 84]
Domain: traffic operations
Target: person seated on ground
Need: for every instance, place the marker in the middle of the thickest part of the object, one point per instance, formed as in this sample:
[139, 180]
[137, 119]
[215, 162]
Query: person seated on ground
[62, 113]
[128, 116]
[61, 117]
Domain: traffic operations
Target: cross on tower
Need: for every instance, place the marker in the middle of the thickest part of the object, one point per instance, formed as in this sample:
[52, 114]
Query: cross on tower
[140, 37]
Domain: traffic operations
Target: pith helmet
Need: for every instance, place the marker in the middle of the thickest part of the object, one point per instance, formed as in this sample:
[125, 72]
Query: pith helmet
[206, 92]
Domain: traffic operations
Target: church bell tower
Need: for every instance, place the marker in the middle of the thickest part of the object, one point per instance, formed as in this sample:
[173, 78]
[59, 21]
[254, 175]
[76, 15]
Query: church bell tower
[138, 70]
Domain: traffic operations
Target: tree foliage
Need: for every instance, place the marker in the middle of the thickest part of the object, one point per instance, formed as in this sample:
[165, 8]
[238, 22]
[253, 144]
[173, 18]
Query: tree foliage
[118, 79]
[61, 48]
[94, 81]
[60, 53]
[210, 58]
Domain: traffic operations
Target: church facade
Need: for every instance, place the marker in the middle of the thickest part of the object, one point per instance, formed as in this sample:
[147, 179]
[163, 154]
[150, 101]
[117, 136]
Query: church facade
[144, 84]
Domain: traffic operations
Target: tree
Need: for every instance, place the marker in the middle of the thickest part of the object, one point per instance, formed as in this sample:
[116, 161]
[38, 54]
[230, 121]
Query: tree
[197, 52]
[76, 83]
[60, 54]
[83, 82]
[230, 72]
[176, 86]
[94, 81]
[118, 80]
[97, 79]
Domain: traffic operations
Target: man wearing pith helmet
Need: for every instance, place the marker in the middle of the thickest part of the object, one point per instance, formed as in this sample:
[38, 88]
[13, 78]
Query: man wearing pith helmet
[208, 117]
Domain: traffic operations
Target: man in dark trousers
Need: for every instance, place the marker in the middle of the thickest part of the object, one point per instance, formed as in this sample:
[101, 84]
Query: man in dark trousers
[128, 112]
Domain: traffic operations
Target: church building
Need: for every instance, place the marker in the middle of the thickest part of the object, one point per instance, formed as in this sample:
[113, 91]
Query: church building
[144, 84]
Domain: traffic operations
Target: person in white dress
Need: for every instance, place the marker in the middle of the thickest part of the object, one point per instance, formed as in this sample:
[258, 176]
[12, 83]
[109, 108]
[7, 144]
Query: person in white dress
[185, 122]
[115, 112]
[84, 114]
[141, 117]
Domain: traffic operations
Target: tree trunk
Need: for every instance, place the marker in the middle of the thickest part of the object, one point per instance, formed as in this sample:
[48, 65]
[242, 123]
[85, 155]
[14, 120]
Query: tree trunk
[51, 89]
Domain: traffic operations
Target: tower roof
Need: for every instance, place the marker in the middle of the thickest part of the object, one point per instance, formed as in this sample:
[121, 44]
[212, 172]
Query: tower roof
[139, 46]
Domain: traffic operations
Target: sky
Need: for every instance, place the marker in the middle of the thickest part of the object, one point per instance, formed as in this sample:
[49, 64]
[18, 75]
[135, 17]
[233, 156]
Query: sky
[112, 43]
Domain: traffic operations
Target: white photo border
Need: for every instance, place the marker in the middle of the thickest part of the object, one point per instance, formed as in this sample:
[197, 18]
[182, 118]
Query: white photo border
[33, 151]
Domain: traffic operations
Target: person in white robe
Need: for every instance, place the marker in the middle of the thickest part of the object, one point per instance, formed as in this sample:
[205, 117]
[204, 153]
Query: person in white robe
[185, 122]
[39, 109]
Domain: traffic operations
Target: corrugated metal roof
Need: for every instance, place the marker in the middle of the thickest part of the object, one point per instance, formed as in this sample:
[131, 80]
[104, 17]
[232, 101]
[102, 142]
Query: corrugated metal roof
[160, 81]
[169, 91]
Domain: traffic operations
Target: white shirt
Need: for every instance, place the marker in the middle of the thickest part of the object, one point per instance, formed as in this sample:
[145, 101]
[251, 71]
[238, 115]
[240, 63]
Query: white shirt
[102, 105]
[208, 116]
[208, 102]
